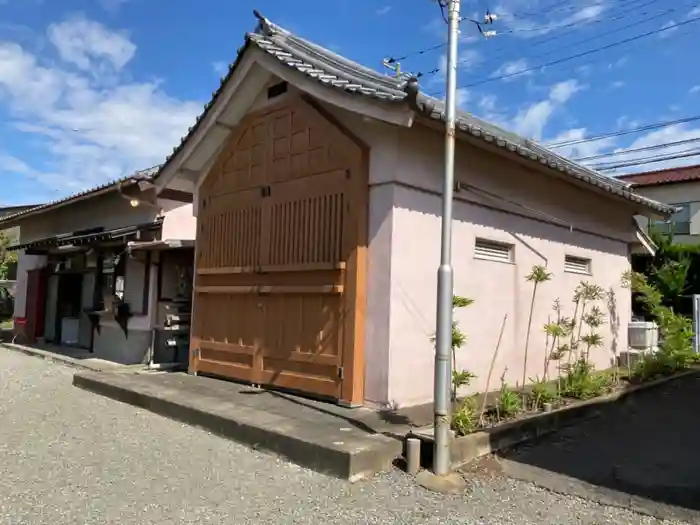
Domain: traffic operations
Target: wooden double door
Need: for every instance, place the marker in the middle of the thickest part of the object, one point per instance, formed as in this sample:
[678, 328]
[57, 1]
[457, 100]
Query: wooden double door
[280, 256]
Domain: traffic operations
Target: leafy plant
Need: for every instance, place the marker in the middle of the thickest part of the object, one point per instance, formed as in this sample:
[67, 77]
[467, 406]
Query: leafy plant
[465, 418]
[542, 392]
[580, 381]
[7, 258]
[675, 330]
[460, 378]
[537, 276]
[584, 294]
[509, 402]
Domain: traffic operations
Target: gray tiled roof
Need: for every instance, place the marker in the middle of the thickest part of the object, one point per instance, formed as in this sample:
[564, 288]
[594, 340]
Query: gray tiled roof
[147, 174]
[333, 70]
[324, 65]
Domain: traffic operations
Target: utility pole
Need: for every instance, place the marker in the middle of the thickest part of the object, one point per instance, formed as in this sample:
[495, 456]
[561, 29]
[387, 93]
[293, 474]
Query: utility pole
[443, 347]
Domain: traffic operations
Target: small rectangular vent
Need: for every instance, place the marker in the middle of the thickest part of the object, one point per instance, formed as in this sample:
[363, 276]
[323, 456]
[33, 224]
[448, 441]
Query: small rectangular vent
[574, 264]
[276, 90]
[493, 250]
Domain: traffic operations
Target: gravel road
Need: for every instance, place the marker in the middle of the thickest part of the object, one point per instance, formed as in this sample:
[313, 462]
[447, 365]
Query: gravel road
[71, 457]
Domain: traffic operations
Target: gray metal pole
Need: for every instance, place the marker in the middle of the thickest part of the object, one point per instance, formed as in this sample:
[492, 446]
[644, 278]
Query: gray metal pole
[443, 332]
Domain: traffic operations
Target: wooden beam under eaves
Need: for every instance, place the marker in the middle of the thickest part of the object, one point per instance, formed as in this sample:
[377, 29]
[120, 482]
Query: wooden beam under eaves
[175, 195]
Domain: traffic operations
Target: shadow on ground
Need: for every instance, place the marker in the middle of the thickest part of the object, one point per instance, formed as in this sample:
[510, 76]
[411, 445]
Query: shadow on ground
[642, 454]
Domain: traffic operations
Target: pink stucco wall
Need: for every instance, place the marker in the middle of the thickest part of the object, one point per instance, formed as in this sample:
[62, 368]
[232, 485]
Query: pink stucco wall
[551, 219]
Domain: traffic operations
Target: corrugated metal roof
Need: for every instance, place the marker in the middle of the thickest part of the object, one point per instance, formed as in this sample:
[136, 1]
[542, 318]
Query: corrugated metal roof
[333, 70]
[88, 236]
[147, 174]
[665, 176]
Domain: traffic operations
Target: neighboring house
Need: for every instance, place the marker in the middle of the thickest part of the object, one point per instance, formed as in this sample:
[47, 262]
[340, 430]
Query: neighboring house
[93, 268]
[677, 187]
[317, 187]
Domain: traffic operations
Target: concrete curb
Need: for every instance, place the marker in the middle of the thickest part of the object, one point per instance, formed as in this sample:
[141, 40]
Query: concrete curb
[351, 461]
[57, 358]
[466, 449]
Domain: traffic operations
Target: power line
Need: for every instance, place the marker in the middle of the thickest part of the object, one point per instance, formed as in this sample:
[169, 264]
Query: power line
[584, 53]
[417, 53]
[654, 15]
[620, 15]
[592, 19]
[551, 8]
[647, 160]
[602, 136]
[424, 51]
[637, 150]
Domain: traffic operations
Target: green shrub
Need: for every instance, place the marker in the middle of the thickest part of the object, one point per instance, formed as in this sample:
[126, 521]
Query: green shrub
[542, 392]
[580, 381]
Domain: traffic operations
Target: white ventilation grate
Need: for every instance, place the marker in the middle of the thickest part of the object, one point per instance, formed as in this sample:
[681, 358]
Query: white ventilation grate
[493, 250]
[577, 264]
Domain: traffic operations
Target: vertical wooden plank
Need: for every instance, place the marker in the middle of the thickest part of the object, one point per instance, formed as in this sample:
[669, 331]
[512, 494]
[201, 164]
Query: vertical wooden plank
[355, 298]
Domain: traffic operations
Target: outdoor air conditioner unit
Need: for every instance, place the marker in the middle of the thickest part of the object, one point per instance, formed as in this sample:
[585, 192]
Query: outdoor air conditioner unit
[643, 335]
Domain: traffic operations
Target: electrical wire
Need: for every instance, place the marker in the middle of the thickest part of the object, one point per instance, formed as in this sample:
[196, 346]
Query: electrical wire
[637, 150]
[550, 8]
[586, 20]
[584, 53]
[442, 45]
[648, 160]
[647, 127]
[654, 15]
[622, 14]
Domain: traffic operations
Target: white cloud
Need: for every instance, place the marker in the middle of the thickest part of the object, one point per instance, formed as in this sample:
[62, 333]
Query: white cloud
[219, 67]
[563, 91]
[488, 103]
[12, 164]
[694, 89]
[695, 11]
[462, 97]
[571, 17]
[92, 128]
[625, 122]
[583, 149]
[670, 134]
[617, 84]
[512, 69]
[619, 62]
[383, 10]
[468, 60]
[668, 29]
[83, 42]
[531, 121]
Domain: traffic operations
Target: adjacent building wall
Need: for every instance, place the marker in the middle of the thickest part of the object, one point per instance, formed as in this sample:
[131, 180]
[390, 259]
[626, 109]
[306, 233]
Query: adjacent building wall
[179, 221]
[677, 193]
[542, 217]
[108, 211]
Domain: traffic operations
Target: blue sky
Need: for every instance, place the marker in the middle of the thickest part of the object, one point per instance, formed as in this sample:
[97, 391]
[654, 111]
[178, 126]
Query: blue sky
[93, 89]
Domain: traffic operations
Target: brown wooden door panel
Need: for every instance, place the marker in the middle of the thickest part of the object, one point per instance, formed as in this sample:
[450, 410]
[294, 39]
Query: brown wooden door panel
[306, 342]
[305, 219]
[228, 332]
[229, 232]
[278, 243]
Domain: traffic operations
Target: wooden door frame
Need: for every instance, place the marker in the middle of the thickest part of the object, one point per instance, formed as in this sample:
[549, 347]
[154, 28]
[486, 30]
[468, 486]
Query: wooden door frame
[352, 388]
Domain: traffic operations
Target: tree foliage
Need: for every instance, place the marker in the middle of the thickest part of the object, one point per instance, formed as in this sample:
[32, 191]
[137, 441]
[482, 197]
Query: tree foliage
[7, 258]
